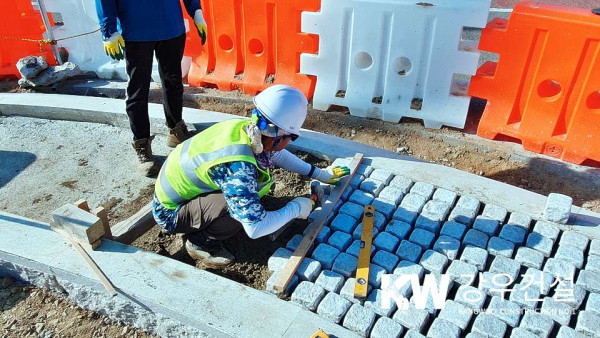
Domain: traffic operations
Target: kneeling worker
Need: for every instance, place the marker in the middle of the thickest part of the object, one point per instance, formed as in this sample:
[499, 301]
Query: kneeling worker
[210, 186]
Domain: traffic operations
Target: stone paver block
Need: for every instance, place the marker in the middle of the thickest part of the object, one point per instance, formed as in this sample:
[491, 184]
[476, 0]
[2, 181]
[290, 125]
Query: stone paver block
[385, 207]
[392, 194]
[428, 223]
[364, 169]
[333, 307]
[567, 332]
[352, 209]
[409, 268]
[343, 223]
[336, 208]
[471, 297]
[413, 334]
[588, 323]
[326, 255]
[575, 298]
[462, 215]
[374, 302]
[453, 229]
[341, 162]
[386, 260]
[359, 320]
[558, 208]
[293, 243]
[486, 225]
[402, 183]
[519, 332]
[273, 279]
[476, 238]
[330, 281]
[505, 310]
[445, 196]
[489, 325]
[279, 259]
[537, 323]
[468, 202]
[525, 295]
[513, 233]
[354, 249]
[376, 272]
[422, 238]
[461, 272]
[570, 254]
[543, 244]
[429, 304]
[323, 235]
[345, 265]
[595, 247]
[593, 303]
[380, 221]
[500, 247]
[558, 311]
[409, 251]
[589, 280]
[372, 186]
[529, 257]
[441, 328]
[405, 216]
[347, 192]
[340, 240]
[412, 318]
[362, 198]
[357, 234]
[434, 262]
[309, 270]
[519, 219]
[357, 180]
[386, 241]
[398, 229]
[447, 246]
[559, 268]
[382, 175]
[413, 202]
[574, 239]
[347, 290]
[423, 189]
[495, 212]
[505, 265]
[475, 255]
[547, 229]
[495, 284]
[436, 210]
[457, 314]
[308, 295]
[387, 328]
[593, 263]
[535, 278]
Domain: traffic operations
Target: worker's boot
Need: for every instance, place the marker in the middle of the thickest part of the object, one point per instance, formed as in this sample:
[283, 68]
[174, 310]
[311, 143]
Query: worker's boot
[178, 134]
[217, 258]
[147, 163]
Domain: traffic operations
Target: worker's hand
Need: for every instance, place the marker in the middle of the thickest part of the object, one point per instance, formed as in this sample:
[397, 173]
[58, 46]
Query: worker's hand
[306, 206]
[331, 175]
[200, 25]
[114, 46]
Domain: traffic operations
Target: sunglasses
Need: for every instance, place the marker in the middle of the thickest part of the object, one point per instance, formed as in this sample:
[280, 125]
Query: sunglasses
[293, 137]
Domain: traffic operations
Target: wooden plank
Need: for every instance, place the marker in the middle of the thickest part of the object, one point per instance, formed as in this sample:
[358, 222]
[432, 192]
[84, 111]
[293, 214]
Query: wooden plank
[135, 226]
[314, 228]
[84, 226]
[364, 256]
[82, 204]
[101, 213]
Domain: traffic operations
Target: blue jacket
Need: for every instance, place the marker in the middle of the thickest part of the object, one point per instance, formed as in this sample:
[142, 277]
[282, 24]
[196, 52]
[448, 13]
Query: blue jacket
[144, 20]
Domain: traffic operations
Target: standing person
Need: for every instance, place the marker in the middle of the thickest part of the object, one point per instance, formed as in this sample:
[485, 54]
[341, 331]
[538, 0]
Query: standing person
[138, 30]
[210, 186]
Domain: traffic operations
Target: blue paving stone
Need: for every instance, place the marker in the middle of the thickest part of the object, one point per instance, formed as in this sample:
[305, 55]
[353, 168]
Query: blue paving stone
[574, 239]
[445, 196]
[330, 281]
[372, 186]
[380, 221]
[454, 229]
[486, 225]
[543, 244]
[336, 208]
[513, 233]
[333, 307]
[391, 194]
[386, 260]
[495, 212]
[476, 238]
[529, 257]
[308, 295]
[547, 229]
[326, 255]
[359, 320]
[352, 209]
[409, 251]
[343, 223]
[398, 229]
[519, 219]
[364, 169]
[309, 270]
[402, 183]
[347, 192]
[375, 274]
[501, 247]
[422, 237]
[345, 265]
[356, 181]
[382, 175]
[323, 235]
[357, 234]
[447, 246]
[432, 215]
[374, 302]
[362, 198]
[340, 240]
[475, 255]
[434, 262]
[386, 208]
[354, 249]
[405, 216]
[387, 242]
[423, 189]
[293, 243]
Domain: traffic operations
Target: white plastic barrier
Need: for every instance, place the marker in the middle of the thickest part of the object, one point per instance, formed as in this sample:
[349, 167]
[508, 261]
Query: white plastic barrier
[387, 59]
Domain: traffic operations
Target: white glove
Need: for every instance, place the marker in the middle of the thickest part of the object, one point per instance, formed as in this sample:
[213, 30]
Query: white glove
[306, 206]
[200, 24]
[330, 175]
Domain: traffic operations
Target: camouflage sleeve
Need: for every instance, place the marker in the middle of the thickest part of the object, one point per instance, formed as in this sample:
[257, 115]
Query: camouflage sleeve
[239, 183]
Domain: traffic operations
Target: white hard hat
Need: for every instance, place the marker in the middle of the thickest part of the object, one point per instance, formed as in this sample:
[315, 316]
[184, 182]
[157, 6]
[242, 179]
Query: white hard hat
[284, 106]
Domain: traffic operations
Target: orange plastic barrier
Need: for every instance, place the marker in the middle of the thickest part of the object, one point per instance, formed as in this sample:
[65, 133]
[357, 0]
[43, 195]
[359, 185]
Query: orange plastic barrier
[20, 21]
[251, 45]
[545, 88]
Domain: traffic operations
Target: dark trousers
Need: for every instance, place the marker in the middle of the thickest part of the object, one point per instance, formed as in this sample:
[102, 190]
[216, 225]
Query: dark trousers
[206, 221]
[138, 58]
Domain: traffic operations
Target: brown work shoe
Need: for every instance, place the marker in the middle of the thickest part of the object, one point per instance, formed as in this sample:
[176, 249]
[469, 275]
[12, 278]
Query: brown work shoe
[218, 258]
[147, 163]
[178, 134]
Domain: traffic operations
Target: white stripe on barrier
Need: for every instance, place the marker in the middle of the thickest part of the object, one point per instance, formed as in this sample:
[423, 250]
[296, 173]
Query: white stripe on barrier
[387, 59]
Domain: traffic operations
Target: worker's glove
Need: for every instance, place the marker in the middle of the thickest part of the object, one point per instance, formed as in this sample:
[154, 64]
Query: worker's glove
[200, 25]
[306, 206]
[330, 175]
[114, 46]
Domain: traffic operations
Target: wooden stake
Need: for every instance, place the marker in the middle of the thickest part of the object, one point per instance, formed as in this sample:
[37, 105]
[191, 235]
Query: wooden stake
[101, 213]
[83, 205]
[135, 226]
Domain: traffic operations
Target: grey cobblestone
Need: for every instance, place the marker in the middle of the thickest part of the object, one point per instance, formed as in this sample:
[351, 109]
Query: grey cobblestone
[386, 328]
[445, 196]
[576, 298]
[412, 318]
[409, 251]
[345, 264]
[385, 207]
[453, 229]
[476, 238]
[343, 223]
[372, 186]
[359, 320]
[398, 229]
[543, 244]
[570, 254]
[475, 255]
[308, 270]
[447, 246]
[456, 313]
[308, 295]
[364, 169]
[278, 259]
[347, 290]
[422, 238]
[513, 233]
[489, 326]
[471, 297]
[273, 279]
[357, 234]
[589, 280]
[486, 225]
[429, 304]
[441, 328]
[567, 332]
[409, 268]
[525, 296]
[382, 175]
[505, 265]
[574, 239]
[519, 219]
[413, 334]
[423, 189]
[536, 323]
[333, 307]
[374, 302]
[495, 212]
[593, 303]
[386, 260]
[468, 202]
[558, 208]
[519, 332]
[402, 183]
[386, 241]
[432, 216]
[340, 240]
[391, 194]
[352, 209]
[547, 229]
[362, 198]
[535, 278]
[330, 281]
[500, 247]
[558, 311]
[494, 284]
[354, 249]
[413, 202]
[505, 310]
[595, 247]
[593, 263]
[434, 262]
[326, 255]
[462, 273]
[356, 181]
[465, 211]
[588, 323]
[529, 257]
[559, 268]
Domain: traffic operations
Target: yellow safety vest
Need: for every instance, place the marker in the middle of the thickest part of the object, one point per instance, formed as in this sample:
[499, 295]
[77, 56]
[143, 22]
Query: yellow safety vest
[184, 175]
